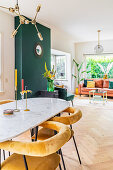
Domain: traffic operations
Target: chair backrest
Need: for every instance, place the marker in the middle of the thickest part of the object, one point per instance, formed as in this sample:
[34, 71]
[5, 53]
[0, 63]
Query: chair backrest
[5, 101]
[69, 119]
[62, 92]
[41, 148]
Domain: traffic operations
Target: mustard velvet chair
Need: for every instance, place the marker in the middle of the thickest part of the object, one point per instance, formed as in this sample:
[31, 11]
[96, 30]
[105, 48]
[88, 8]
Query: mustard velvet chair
[4, 102]
[74, 115]
[38, 155]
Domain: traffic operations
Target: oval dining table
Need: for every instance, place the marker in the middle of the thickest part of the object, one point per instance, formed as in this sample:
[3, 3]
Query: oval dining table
[41, 109]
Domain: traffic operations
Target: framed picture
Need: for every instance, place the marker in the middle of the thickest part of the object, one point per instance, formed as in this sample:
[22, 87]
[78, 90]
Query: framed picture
[38, 50]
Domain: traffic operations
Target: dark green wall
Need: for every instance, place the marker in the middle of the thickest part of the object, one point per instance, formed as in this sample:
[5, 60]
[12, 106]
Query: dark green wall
[31, 67]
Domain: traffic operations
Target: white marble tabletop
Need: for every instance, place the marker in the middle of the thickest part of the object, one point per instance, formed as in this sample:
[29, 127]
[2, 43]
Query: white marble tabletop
[41, 109]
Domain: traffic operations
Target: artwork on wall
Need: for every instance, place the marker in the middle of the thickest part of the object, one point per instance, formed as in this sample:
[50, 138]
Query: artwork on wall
[38, 49]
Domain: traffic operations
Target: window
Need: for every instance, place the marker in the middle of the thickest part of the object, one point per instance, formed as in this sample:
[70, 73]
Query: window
[99, 65]
[59, 61]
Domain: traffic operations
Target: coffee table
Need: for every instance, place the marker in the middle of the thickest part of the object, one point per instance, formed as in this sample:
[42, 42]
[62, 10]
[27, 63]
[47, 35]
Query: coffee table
[98, 93]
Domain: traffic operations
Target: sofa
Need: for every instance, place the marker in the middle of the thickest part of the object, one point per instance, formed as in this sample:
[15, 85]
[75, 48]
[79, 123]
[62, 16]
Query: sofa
[100, 84]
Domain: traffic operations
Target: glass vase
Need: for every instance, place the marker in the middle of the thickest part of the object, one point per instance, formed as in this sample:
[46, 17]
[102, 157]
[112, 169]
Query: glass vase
[50, 85]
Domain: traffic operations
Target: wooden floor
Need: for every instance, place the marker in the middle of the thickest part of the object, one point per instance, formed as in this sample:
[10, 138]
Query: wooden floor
[94, 138]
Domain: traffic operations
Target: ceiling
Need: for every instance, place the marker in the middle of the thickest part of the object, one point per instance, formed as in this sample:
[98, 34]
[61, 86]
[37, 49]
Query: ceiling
[78, 18]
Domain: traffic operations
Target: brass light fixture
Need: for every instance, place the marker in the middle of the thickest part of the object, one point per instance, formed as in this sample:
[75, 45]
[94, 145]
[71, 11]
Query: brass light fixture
[99, 48]
[24, 20]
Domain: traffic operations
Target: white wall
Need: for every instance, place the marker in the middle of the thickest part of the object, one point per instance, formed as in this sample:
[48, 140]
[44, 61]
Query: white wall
[63, 42]
[88, 48]
[7, 54]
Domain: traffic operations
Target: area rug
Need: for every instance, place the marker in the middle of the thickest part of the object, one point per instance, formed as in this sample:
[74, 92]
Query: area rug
[96, 104]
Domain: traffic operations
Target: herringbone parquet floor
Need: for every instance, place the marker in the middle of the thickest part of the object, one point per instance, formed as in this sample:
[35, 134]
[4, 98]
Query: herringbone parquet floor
[94, 137]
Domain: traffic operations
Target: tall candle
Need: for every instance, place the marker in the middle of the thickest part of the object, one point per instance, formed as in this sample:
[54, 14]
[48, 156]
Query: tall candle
[22, 84]
[15, 79]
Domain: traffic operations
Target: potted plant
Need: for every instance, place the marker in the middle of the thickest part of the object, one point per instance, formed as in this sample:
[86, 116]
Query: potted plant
[50, 76]
[79, 73]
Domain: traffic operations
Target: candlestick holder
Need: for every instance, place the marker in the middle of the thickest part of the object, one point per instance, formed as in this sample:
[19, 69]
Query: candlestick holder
[16, 110]
[26, 91]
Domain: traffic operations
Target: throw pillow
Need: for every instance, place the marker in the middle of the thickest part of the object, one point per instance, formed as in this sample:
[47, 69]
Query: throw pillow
[85, 82]
[98, 83]
[110, 84]
[90, 84]
[106, 84]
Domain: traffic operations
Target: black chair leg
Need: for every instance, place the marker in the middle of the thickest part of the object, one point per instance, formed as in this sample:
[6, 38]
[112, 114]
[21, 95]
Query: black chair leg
[25, 162]
[72, 103]
[60, 167]
[36, 133]
[60, 151]
[4, 154]
[76, 147]
[9, 153]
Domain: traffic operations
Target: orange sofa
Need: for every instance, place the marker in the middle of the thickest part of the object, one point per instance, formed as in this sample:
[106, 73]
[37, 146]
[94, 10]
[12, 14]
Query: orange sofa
[100, 84]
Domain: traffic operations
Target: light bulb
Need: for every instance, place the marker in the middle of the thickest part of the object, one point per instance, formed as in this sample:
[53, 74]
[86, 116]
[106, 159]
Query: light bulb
[40, 36]
[38, 8]
[14, 33]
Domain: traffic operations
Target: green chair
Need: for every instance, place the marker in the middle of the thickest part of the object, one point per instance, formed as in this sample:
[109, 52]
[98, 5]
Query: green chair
[62, 93]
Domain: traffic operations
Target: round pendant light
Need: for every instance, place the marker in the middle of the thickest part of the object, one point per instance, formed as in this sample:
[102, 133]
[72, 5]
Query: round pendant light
[99, 48]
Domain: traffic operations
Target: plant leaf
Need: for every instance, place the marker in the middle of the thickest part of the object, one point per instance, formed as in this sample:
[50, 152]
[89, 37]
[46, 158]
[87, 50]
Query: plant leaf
[74, 76]
[84, 71]
[82, 79]
[80, 66]
[109, 67]
[46, 67]
[102, 68]
[76, 63]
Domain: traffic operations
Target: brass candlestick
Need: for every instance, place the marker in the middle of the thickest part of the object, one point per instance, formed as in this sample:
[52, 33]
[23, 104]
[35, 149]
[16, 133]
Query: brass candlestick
[16, 110]
[26, 91]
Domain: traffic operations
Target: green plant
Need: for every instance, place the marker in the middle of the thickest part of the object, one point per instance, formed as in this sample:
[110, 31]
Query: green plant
[99, 65]
[79, 72]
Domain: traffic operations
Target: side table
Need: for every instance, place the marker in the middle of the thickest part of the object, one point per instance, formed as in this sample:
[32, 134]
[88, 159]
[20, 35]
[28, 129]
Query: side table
[45, 93]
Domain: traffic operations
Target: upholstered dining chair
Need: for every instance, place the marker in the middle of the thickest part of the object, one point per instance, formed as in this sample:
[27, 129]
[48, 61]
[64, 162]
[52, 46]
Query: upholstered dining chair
[4, 102]
[40, 155]
[74, 115]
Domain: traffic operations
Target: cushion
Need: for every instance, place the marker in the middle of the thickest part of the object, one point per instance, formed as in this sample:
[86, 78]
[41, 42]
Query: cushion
[98, 83]
[16, 162]
[85, 82]
[110, 84]
[106, 84]
[90, 84]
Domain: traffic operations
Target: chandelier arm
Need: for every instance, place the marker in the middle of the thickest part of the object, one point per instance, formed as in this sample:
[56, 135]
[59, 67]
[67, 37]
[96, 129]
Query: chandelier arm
[36, 15]
[18, 27]
[98, 39]
[17, 2]
[4, 7]
[17, 14]
[37, 11]
[36, 28]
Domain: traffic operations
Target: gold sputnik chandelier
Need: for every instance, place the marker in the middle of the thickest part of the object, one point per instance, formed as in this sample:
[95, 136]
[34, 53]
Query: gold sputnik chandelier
[24, 20]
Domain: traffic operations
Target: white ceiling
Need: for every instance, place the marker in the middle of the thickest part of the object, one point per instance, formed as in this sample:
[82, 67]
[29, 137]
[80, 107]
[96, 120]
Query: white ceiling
[79, 18]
